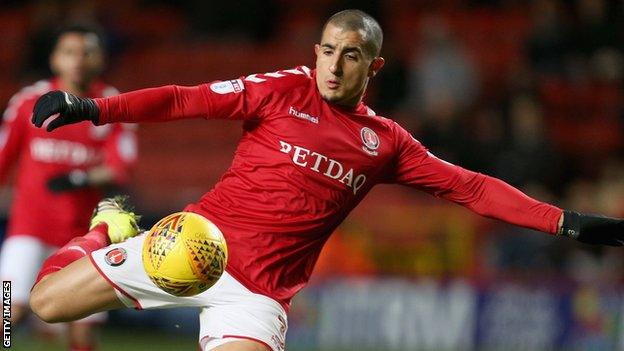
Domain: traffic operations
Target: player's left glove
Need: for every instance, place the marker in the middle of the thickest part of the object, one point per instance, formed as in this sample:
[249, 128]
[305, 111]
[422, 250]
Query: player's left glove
[70, 109]
[75, 179]
[593, 229]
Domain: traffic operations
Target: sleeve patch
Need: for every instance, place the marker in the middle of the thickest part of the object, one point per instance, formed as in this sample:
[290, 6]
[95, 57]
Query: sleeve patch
[230, 86]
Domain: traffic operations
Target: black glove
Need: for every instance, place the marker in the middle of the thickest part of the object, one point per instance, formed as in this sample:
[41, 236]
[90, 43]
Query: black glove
[75, 179]
[593, 229]
[71, 109]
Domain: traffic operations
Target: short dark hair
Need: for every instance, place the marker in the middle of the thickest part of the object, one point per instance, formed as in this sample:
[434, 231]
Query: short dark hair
[80, 29]
[357, 20]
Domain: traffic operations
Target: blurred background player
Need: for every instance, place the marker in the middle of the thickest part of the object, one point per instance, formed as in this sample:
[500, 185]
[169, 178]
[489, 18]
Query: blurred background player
[60, 176]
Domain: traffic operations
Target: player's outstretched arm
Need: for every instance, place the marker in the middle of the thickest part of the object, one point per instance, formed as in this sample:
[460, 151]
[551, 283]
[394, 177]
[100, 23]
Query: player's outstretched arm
[494, 198]
[146, 105]
[491, 197]
[72, 293]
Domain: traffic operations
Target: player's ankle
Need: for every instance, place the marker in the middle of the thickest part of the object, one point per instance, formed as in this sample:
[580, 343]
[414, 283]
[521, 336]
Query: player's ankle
[99, 233]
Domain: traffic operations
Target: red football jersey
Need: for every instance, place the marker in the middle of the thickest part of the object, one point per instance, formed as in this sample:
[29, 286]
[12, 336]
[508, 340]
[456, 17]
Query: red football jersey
[55, 218]
[302, 165]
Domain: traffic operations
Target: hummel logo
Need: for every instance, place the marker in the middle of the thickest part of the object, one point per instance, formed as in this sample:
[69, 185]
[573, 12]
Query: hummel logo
[303, 115]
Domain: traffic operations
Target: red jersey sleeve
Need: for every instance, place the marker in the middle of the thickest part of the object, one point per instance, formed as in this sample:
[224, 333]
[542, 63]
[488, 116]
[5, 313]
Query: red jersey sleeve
[487, 196]
[120, 151]
[12, 131]
[243, 98]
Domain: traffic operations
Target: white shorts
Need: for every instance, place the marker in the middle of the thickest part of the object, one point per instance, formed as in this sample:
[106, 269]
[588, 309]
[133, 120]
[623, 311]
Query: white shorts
[229, 310]
[21, 257]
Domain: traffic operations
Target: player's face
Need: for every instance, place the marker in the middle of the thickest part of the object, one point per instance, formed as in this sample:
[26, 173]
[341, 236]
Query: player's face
[343, 67]
[77, 58]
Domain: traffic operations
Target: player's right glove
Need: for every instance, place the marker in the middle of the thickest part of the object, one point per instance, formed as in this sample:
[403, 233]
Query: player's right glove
[70, 109]
[593, 229]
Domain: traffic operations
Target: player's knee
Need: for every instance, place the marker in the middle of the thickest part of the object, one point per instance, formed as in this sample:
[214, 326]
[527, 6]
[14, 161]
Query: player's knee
[42, 304]
[38, 303]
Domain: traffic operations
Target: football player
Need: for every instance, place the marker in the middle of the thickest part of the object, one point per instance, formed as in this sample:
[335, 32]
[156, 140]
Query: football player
[310, 152]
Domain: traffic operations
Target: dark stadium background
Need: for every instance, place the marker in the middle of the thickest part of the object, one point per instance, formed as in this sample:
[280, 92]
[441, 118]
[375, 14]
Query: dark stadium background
[528, 91]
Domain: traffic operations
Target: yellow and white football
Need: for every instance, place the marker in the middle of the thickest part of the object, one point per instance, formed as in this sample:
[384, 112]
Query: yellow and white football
[184, 254]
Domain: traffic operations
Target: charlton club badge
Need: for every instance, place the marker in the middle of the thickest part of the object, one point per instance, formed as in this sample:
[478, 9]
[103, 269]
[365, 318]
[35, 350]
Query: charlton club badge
[370, 139]
[116, 257]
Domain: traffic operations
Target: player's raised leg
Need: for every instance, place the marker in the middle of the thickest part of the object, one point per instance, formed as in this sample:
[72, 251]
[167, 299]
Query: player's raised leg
[69, 287]
[71, 293]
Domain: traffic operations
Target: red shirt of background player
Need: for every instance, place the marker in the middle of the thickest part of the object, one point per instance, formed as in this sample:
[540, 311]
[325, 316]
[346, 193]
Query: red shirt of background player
[52, 217]
[302, 165]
